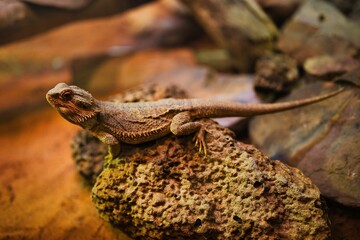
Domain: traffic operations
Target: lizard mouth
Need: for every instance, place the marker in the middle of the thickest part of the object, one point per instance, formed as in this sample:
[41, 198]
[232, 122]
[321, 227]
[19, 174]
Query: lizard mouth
[64, 110]
[56, 104]
[73, 115]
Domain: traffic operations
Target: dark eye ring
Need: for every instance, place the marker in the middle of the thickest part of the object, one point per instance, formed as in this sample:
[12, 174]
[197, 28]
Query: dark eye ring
[66, 95]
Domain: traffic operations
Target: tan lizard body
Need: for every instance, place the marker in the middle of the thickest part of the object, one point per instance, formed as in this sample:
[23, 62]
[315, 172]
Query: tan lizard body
[140, 122]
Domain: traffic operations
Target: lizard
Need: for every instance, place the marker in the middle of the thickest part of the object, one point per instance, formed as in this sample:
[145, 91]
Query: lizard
[139, 122]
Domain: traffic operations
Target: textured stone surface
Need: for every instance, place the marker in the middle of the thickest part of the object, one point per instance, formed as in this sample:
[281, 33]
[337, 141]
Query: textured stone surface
[326, 65]
[240, 27]
[279, 10]
[345, 221]
[319, 28]
[167, 190]
[11, 12]
[321, 139]
[89, 153]
[276, 72]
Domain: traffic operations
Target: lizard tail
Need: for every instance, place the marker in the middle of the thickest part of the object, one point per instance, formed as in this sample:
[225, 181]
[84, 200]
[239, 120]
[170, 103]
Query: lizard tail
[211, 108]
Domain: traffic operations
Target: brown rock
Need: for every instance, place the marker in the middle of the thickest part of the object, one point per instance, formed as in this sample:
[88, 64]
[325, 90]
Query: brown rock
[167, 190]
[345, 221]
[11, 11]
[66, 4]
[330, 65]
[88, 153]
[28, 19]
[318, 28]
[355, 12]
[153, 63]
[218, 59]
[29, 68]
[345, 6]
[352, 78]
[276, 72]
[320, 139]
[279, 10]
[240, 27]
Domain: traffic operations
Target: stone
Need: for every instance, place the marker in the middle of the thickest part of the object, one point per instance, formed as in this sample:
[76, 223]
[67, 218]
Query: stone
[318, 28]
[11, 11]
[279, 10]
[166, 189]
[66, 4]
[276, 72]
[321, 139]
[325, 65]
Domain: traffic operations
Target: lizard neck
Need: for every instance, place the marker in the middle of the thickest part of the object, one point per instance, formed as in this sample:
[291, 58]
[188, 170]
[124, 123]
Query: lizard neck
[92, 120]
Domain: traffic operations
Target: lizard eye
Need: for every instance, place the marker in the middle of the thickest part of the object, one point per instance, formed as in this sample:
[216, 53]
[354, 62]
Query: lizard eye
[66, 95]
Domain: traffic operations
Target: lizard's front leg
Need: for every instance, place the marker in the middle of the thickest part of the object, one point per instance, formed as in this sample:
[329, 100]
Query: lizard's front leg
[182, 124]
[112, 142]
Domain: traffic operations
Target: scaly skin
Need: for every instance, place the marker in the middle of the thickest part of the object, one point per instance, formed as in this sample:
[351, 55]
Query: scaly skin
[136, 123]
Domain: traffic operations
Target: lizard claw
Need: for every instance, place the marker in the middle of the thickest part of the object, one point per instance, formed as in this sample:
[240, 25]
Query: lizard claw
[199, 139]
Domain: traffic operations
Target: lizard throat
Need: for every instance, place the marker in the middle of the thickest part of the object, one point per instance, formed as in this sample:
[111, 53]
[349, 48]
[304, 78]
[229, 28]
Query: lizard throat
[76, 116]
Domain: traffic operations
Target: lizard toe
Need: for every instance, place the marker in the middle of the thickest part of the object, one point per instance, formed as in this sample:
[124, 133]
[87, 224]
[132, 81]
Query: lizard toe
[199, 139]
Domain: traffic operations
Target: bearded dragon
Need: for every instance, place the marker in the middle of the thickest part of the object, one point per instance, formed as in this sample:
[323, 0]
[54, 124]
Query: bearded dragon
[139, 122]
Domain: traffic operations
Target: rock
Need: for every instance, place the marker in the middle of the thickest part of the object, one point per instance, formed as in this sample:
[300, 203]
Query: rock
[276, 72]
[104, 74]
[345, 221]
[350, 78]
[345, 6]
[240, 27]
[29, 68]
[24, 20]
[154, 63]
[66, 4]
[11, 11]
[88, 153]
[321, 139]
[355, 13]
[166, 190]
[318, 28]
[279, 10]
[218, 59]
[326, 65]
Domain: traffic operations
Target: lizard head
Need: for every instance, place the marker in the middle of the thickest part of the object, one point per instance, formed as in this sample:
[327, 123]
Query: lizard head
[73, 103]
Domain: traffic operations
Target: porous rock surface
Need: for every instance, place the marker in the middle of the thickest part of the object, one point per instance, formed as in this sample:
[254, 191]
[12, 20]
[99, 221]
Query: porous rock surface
[165, 189]
[88, 153]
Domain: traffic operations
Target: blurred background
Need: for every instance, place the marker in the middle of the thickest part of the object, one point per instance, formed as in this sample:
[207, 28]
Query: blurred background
[247, 51]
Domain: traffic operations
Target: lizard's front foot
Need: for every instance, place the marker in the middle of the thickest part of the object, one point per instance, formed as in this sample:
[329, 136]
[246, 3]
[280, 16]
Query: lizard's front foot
[199, 139]
[181, 124]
